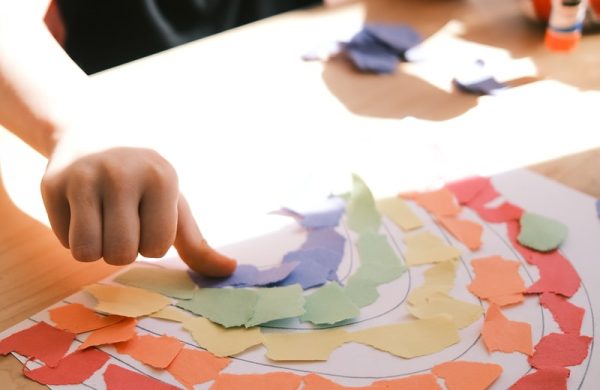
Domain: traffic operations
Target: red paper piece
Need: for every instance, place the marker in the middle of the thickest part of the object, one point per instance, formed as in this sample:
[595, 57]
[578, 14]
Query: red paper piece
[461, 375]
[501, 334]
[41, 341]
[73, 369]
[414, 382]
[547, 379]
[465, 231]
[119, 378]
[440, 203]
[154, 351]
[317, 382]
[568, 316]
[466, 190]
[560, 350]
[192, 367]
[77, 318]
[557, 274]
[483, 197]
[116, 333]
[270, 381]
[504, 213]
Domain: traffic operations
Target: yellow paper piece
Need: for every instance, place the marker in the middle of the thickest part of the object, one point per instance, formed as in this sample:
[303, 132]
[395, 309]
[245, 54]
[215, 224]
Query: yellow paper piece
[438, 278]
[126, 301]
[425, 247]
[397, 210]
[462, 313]
[410, 339]
[309, 346]
[171, 313]
[173, 283]
[219, 340]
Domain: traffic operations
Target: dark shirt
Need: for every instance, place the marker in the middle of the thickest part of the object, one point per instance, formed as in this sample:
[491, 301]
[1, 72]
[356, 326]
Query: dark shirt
[105, 33]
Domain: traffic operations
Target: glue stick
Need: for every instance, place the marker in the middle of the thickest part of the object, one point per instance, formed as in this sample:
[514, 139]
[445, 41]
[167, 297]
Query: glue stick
[565, 24]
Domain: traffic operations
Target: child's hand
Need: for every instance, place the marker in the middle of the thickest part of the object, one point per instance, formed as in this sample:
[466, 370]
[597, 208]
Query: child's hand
[124, 201]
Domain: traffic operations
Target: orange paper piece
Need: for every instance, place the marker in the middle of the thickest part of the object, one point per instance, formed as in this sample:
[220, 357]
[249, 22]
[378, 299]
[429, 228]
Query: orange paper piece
[73, 369]
[119, 332]
[192, 367]
[77, 318]
[270, 381]
[414, 382]
[440, 203]
[497, 280]
[568, 316]
[547, 379]
[560, 350]
[41, 341]
[501, 334]
[467, 232]
[462, 375]
[154, 351]
[119, 378]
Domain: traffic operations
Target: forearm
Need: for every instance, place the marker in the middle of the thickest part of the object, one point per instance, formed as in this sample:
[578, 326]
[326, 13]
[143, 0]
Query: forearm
[39, 83]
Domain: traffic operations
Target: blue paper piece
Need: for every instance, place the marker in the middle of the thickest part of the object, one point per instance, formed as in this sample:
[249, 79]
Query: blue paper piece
[324, 215]
[477, 79]
[247, 275]
[373, 60]
[598, 207]
[398, 37]
[309, 273]
[326, 239]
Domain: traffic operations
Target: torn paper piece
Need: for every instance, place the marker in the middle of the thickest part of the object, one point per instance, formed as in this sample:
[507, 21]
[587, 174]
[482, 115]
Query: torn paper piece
[306, 346]
[425, 247]
[192, 367]
[476, 79]
[501, 334]
[328, 305]
[463, 375]
[73, 369]
[440, 203]
[154, 351]
[173, 283]
[119, 378]
[225, 306]
[116, 333]
[541, 233]
[396, 209]
[171, 313]
[462, 313]
[557, 275]
[560, 350]
[277, 303]
[437, 279]
[77, 318]
[568, 316]
[268, 381]
[497, 280]
[465, 231]
[327, 214]
[219, 340]
[126, 301]
[547, 379]
[247, 275]
[361, 211]
[504, 213]
[466, 190]
[40, 341]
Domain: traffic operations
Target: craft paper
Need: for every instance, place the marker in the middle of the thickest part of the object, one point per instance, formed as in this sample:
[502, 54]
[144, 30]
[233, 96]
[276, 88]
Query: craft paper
[466, 190]
[325, 239]
[598, 208]
[414, 382]
[219, 340]
[398, 37]
[277, 303]
[309, 346]
[77, 318]
[487, 194]
[269, 381]
[225, 306]
[192, 367]
[328, 305]
[568, 316]
[504, 213]
[467, 232]
[171, 313]
[475, 78]
[154, 351]
[541, 233]
[440, 203]
[119, 332]
[308, 274]
[317, 382]
[247, 275]
[361, 212]
[375, 249]
[437, 279]
[119, 378]
[560, 350]
[324, 215]
[373, 59]
[73, 369]
[557, 275]
[410, 339]
[41, 341]
[501, 334]
[173, 283]
[399, 212]
[497, 280]
[126, 301]
[425, 247]
[360, 289]
[462, 375]
[462, 313]
[547, 379]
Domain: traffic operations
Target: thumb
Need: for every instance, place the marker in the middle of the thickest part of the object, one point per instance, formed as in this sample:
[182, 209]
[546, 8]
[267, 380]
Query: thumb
[193, 248]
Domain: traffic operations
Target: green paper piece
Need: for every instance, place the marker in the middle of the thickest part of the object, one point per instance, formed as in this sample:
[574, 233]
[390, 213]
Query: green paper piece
[361, 211]
[277, 303]
[170, 282]
[541, 233]
[361, 291]
[375, 249]
[226, 306]
[328, 305]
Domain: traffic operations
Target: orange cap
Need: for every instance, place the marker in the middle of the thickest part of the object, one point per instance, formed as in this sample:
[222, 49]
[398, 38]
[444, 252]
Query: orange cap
[562, 41]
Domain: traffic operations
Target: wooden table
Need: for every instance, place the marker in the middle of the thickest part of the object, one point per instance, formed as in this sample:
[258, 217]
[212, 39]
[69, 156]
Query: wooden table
[240, 113]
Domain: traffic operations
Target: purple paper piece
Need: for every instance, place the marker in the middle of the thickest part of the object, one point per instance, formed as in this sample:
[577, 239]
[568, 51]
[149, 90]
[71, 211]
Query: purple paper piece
[326, 257]
[325, 215]
[483, 87]
[275, 274]
[309, 273]
[373, 59]
[598, 207]
[476, 79]
[398, 37]
[325, 239]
